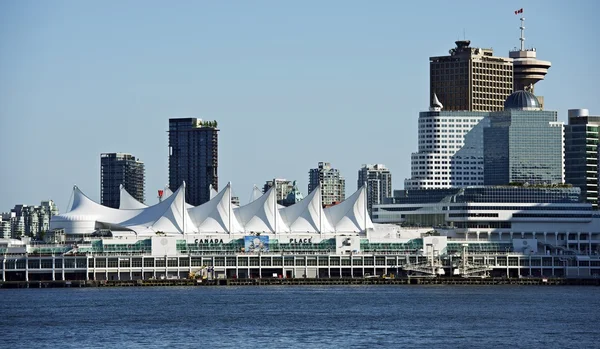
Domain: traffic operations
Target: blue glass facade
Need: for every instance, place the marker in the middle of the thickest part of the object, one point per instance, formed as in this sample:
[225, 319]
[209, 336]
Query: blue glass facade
[523, 146]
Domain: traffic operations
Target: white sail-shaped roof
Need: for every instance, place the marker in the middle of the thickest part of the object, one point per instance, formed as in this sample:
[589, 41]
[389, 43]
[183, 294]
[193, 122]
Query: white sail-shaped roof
[213, 191]
[166, 216]
[351, 214]
[172, 215]
[84, 213]
[128, 202]
[167, 192]
[216, 215]
[256, 193]
[84, 207]
[261, 215]
[307, 216]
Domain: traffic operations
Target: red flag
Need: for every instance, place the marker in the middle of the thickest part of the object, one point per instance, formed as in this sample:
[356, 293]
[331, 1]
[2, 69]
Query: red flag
[160, 193]
[518, 11]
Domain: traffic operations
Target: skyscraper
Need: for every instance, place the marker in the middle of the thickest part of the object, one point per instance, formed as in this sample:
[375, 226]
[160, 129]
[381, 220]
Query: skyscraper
[193, 157]
[523, 144]
[379, 183]
[117, 169]
[333, 184]
[471, 78]
[450, 152]
[581, 153]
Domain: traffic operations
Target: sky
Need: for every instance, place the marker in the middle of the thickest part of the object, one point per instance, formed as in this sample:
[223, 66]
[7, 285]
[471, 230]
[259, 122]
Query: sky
[290, 83]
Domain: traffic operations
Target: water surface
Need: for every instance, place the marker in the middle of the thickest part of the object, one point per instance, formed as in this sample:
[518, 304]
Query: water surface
[297, 316]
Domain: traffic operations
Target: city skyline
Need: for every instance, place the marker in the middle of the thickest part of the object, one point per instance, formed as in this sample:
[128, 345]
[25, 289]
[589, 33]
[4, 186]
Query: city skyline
[261, 83]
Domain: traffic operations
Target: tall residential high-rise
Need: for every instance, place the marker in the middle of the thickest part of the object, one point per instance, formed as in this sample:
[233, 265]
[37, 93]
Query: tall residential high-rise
[581, 153]
[193, 157]
[379, 183]
[471, 78]
[282, 188]
[450, 152]
[333, 185]
[523, 144]
[117, 169]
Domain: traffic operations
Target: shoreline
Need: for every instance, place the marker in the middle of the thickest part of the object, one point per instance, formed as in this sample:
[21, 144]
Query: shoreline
[306, 282]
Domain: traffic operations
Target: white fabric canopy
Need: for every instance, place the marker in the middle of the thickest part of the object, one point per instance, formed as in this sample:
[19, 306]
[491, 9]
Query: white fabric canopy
[168, 192]
[307, 216]
[128, 202]
[256, 193]
[166, 216]
[213, 191]
[83, 206]
[173, 216]
[351, 214]
[217, 214]
[261, 215]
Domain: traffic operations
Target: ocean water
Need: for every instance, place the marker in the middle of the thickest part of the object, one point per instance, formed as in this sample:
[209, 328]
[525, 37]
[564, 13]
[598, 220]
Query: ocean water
[302, 317]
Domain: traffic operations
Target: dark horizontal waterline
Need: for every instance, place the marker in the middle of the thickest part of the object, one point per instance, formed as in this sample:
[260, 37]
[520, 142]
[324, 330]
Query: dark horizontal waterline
[301, 281]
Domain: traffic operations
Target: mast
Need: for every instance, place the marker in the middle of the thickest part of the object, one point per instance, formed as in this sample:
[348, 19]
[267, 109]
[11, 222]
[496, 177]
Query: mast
[522, 38]
[230, 212]
[365, 211]
[320, 210]
[183, 210]
[275, 205]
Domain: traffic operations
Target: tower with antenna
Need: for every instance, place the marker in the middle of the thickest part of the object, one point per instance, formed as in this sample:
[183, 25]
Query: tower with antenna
[527, 69]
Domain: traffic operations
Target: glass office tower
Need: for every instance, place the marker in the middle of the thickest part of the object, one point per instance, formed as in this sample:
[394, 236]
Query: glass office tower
[523, 144]
[581, 153]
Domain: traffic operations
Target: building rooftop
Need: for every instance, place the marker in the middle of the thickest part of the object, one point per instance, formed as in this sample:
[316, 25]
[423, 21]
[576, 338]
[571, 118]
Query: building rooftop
[522, 100]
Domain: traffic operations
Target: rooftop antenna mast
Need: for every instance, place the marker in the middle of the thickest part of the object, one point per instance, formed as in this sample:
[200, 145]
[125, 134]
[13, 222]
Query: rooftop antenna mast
[522, 38]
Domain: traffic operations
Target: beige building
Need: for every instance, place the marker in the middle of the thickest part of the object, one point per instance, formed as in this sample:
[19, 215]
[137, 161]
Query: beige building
[471, 78]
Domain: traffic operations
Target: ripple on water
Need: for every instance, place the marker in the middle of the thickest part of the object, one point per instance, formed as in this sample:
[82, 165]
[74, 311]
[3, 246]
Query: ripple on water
[295, 316]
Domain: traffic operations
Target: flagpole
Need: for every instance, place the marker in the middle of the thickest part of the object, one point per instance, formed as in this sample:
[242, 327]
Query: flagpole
[522, 38]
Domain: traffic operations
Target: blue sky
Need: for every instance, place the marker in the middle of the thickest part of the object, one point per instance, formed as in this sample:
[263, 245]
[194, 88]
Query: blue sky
[291, 84]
